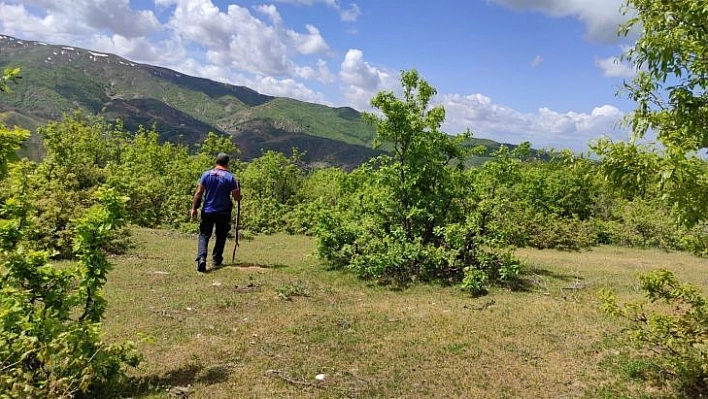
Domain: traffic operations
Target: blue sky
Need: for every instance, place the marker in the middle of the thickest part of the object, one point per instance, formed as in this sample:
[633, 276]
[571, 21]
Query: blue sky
[545, 71]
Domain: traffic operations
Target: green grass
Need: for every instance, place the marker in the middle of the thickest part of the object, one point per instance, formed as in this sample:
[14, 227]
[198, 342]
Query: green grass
[266, 326]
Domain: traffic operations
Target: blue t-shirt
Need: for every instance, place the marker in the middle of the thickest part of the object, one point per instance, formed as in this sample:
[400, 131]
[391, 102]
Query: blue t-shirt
[218, 184]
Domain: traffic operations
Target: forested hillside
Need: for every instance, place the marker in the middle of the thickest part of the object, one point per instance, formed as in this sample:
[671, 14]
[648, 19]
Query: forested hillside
[60, 79]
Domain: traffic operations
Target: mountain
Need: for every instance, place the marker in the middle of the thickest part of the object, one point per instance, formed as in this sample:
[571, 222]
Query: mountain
[60, 79]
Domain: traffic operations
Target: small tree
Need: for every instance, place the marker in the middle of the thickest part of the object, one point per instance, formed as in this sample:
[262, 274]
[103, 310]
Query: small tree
[672, 101]
[270, 184]
[50, 318]
[10, 141]
[409, 215]
[50, 336]
[672, 328]
[420, 172]
[670, 92]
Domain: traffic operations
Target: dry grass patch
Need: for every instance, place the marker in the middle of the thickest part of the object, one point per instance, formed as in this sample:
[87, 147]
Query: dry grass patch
[267, 326]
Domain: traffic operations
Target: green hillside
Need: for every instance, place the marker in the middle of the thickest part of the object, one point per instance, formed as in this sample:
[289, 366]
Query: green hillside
[342, 124]
[59, 79]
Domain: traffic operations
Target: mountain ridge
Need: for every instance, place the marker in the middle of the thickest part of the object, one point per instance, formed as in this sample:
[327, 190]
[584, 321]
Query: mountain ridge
[59, 79]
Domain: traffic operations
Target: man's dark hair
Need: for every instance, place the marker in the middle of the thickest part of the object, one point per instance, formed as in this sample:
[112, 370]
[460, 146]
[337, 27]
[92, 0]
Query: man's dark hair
[222, 159]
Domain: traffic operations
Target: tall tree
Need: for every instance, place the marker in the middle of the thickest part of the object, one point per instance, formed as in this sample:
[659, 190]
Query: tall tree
[670, 91]
[420, 169]
[671, 55]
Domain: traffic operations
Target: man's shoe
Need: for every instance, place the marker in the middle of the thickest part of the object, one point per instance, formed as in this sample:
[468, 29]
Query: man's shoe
[201, 266]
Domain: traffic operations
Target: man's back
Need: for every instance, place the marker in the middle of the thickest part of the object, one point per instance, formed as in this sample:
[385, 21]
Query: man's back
[218, 184]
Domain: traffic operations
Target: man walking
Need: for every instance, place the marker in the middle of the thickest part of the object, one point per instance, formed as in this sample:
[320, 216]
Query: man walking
[218, 186]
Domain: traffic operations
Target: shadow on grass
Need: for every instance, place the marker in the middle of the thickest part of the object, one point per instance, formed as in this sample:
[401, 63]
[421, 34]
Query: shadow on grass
[246, 266]
[527, 281]
[551, 274]
[534, 279]
[182, 377]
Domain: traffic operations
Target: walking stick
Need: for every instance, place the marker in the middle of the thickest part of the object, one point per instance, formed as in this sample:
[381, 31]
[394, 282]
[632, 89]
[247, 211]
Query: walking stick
[238, 226]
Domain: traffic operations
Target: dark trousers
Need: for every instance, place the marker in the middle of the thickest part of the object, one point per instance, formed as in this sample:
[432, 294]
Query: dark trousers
[221, 222]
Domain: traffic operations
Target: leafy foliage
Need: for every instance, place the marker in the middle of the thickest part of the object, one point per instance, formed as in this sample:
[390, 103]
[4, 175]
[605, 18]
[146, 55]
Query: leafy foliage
[46, 349]
[9, 75]
[182, 109]
[270, 183]
[50, 341]
[319, 192]
[62, 186]
[159, 178]
[672, 102]
[409, 215]
[672, 338]
[10, 142]
[671, 97]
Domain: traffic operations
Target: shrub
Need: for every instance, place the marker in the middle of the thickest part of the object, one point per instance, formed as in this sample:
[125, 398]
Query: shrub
[413, 215]
[561, 233]
[672, 334]
[50, 341]
[270, 184]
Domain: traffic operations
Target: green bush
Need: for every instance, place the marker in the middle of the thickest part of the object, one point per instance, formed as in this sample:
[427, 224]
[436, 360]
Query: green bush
[50, 318]
[303, 217]
[270, 186]
[650, 224]
[415, 214]
[263, 215]
[475, 281]
[335, 238]
[670, 331]
[561, 233]
[696, 241]
[318, 193]
[497, 264]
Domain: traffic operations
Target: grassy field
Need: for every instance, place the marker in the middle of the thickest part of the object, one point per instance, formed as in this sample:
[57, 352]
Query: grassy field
[268, 325]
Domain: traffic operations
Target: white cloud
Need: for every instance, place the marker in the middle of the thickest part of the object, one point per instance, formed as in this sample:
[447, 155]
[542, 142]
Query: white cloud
[288, 88]
[113, 15]
[254, 47]
[140, 49]
[613, 67]
[357, 72]
[192, 67]
[331, 3]
[324, 75]
[544, 128]
[270, 11]
[15, 19]
[76, 17]
[100, 26]
[262, 84]
[238, 39]
[349, 14]
[601, 17]
[198, 39]
[321, 73]
[310, 43]
[537, 60]
[361, 80]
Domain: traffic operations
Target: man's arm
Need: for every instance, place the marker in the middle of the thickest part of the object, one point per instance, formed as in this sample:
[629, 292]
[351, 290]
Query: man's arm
[236, 193]
[196, 201]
